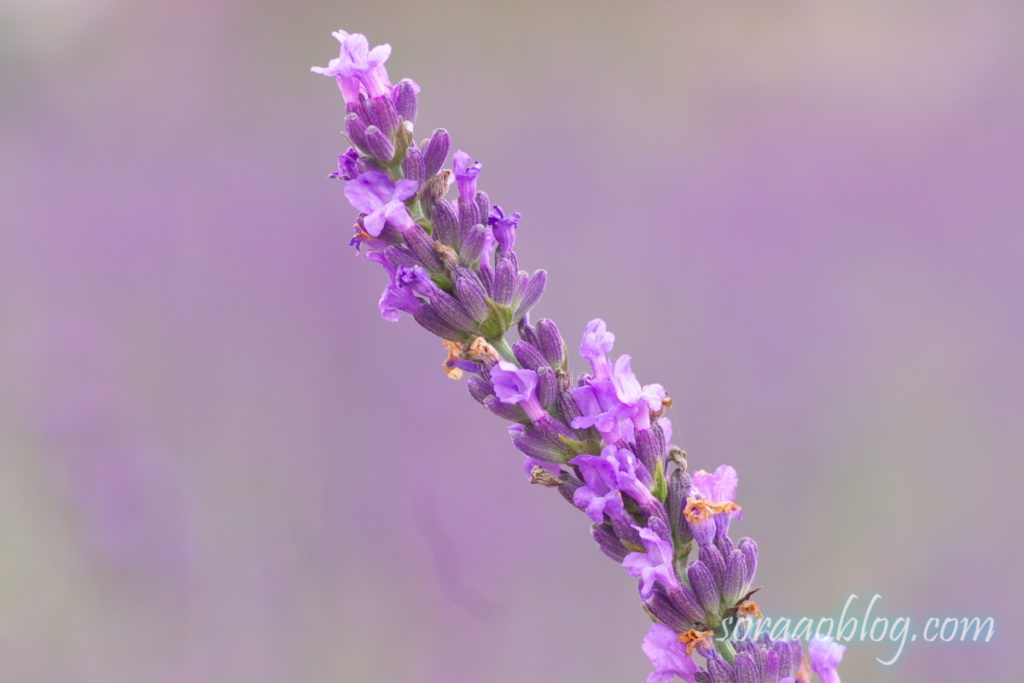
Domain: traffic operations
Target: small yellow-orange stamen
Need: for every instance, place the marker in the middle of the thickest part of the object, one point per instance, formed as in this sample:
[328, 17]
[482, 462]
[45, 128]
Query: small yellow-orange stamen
[693, 639]
[700, 510]
[454, 353]
[749, 609]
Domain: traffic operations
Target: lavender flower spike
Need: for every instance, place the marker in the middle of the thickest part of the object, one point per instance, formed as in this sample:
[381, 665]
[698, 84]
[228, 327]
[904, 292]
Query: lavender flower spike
[600, 439]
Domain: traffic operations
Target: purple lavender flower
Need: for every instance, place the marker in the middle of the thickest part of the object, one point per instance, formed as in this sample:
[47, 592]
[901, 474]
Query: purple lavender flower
[608, 475]
[719, 486]
[668, 656]
[825, 656]
[596, 345]
[400, 294]
[382, 200]
[637, 400]
[613, 400]
[600, 494]
[631, 474]
[653, 565]
[517, 386]
[711, 505]
[466, 171]
[504, 227]
[347, 169]
[600, 408]
[356, 65]
[512, 384]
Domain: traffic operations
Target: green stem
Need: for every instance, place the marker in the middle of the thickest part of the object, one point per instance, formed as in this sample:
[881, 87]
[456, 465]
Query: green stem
[725, 648]
[503, 348]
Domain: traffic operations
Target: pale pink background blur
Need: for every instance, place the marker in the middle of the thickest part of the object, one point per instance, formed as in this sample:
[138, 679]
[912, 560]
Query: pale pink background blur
[218, 464]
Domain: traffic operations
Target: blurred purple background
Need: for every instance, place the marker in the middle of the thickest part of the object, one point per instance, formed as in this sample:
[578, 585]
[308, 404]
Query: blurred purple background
[219, 464]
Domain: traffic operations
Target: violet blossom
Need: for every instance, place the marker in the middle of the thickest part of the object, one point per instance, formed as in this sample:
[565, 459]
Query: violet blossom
[517, 386]
[711, 505]
[668, 656]
[600, 495]
[382, 200]
[357, 65]
[655, 564]
[347, 166]
[504, 227]
[825, 655]
[466, 171]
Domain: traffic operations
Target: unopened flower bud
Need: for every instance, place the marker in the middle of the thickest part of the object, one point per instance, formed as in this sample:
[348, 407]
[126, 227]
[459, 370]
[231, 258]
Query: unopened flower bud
[378, 144]
[430, 320]
[473, 243]
[532, 292]
[412, 165]
[735, 578]
[451, 311]
[608, 542]
[468, 215]
[472, 296]
[355, 131]
[446, 223]
[384, 115]
[480, 389]
[422, 247]
[536, 446]
[507, 411]
[504, 281]
[483, 205]
[547, 387]
[702, 581]
[748, 547]
[405, 95]
[550, 342]
[528, 355]
[437, 152]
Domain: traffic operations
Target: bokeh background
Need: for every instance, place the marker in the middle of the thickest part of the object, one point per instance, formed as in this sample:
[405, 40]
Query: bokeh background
[217, 463]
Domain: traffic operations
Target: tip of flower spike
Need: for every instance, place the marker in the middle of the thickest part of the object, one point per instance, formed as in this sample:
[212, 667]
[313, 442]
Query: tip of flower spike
[358, 67]
[694, 639]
